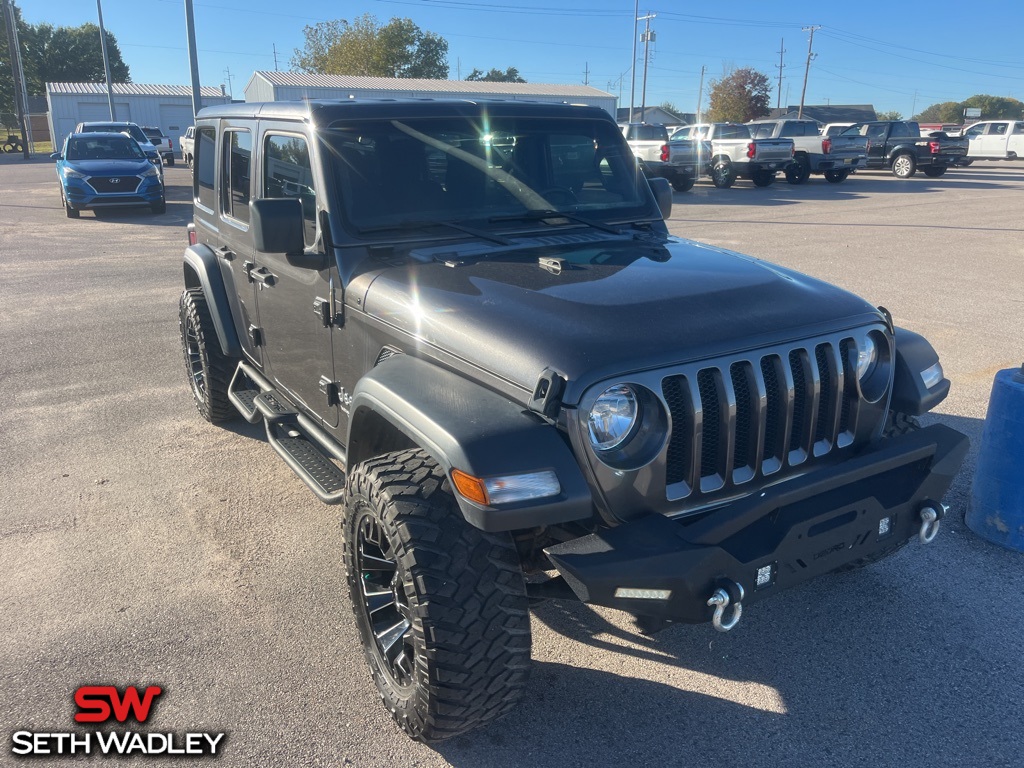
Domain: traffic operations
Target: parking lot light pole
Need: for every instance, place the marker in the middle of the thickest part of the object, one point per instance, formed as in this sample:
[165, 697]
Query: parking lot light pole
[106, 62]
[193, 61]
[632, 64]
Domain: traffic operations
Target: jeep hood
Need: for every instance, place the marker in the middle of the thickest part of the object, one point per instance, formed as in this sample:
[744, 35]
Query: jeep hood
[602, 309]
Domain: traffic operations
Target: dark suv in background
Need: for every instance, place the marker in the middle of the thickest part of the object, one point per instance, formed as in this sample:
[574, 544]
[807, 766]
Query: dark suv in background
[467, 325]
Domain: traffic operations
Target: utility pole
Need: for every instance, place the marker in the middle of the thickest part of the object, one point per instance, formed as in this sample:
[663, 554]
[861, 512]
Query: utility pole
[700, 91]
[586, 73]
[229, 77]
[17, 73]
[106, 62]
[275, 57]
[807, 69]
[193, 61]
[632, 63]
[647, 39]
[779, 66]
[913, 109]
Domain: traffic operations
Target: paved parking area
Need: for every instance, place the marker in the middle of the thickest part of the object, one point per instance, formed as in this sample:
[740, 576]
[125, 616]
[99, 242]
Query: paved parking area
[139, 545]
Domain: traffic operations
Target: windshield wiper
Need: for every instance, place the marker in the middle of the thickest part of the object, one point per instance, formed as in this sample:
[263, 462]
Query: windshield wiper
[539, 214]
[411, 224]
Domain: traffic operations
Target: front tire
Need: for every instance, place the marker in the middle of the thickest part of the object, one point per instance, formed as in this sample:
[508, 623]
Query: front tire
[904, 166]
[69, 210]
[682, 182]
[934, 173]
[207, 368]
[722, 175]
[159, 207]
[836, 177]
[799, 171]
[441, 606]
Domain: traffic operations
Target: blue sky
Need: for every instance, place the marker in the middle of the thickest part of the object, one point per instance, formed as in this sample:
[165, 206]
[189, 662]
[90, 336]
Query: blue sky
[952, 50]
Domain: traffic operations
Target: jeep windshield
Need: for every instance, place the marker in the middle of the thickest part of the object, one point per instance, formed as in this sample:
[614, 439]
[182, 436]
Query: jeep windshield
[488, 171]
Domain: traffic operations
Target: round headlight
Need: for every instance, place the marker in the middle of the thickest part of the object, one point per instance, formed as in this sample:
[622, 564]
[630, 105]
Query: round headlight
[867, 357]
[613, 417]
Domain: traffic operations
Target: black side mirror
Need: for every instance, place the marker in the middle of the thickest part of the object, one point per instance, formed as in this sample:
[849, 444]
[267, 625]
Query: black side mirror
[663, 194]
[277, 225]
[55, 155]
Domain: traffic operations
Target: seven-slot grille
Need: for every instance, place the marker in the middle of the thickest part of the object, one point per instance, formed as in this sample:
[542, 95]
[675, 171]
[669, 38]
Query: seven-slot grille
[124, 184]
[735, 420]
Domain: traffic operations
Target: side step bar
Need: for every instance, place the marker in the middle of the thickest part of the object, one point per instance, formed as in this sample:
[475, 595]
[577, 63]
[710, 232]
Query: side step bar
[306, 448]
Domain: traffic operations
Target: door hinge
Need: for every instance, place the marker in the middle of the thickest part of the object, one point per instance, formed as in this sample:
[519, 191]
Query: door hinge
[256, 336]
[322, 309]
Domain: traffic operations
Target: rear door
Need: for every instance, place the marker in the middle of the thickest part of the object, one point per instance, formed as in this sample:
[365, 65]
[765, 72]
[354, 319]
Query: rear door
[290, 289]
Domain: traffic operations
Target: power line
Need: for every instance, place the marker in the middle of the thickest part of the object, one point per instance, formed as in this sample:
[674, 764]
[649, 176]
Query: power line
[807, 69]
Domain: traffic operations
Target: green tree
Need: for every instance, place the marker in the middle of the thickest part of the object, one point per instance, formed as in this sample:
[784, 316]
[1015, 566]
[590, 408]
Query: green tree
[739, 96]
[892, 114]
[995, 107]
[510, 75]
[367, 47]
[668, 106]
[52, 54]
[944, 112]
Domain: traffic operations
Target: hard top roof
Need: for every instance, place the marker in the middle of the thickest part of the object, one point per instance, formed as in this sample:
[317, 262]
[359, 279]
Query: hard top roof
[325, 111]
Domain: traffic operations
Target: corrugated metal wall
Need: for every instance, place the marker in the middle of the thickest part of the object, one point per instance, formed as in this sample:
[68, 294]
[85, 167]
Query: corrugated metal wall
[171, 113]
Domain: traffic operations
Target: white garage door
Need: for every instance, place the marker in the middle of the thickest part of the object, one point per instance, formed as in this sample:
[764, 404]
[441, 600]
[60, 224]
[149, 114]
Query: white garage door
[175, 118]
[99, 112]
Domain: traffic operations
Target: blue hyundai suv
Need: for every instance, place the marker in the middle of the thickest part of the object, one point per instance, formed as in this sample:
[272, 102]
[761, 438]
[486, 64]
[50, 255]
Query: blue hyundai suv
[105, 170]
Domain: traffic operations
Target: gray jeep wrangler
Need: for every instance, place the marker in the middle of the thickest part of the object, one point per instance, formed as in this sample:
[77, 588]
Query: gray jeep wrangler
[467, 325]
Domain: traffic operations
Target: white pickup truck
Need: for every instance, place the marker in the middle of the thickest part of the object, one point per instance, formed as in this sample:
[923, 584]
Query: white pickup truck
[995, 140]
[650, 145]
[835, 157]
[187, 144]
[734, 153]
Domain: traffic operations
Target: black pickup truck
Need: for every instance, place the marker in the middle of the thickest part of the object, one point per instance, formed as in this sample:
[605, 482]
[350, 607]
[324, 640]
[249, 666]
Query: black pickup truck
[899, 146]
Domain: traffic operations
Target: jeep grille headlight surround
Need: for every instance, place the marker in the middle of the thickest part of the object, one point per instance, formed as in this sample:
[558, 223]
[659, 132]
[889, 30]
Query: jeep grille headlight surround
[612, 418]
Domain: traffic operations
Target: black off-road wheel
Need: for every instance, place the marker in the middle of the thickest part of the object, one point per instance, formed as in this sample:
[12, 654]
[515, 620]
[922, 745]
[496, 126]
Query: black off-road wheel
[836, 177]
[207, 368]
[441, 606]
[896, 424]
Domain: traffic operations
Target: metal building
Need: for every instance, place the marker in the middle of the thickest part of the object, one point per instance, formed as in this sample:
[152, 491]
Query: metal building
[166, 106]
[293, 86]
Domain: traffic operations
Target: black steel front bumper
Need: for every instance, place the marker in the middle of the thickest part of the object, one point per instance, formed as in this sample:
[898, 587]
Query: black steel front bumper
[804, 527]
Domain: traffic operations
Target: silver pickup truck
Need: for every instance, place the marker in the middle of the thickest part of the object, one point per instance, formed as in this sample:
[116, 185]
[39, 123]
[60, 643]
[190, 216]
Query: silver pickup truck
[835, 157]
[733, 153]
[659, 158]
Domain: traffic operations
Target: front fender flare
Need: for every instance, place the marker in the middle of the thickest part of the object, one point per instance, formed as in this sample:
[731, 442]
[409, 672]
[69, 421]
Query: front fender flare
[464, 426]
[913, 355]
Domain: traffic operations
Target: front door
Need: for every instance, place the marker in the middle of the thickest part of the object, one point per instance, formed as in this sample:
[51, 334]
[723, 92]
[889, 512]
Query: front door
[290, 290]
[974, 135]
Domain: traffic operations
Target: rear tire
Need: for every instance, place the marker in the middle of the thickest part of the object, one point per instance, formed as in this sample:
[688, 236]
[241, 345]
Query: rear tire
[934, 173]
[169, 161]
[763, 178]
[207, 369]
[836, 177]
[440, 605]
[904, 166]
[896, 424]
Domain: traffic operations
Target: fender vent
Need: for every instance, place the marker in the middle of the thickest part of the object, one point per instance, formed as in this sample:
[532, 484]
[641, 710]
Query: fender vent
[385, 353]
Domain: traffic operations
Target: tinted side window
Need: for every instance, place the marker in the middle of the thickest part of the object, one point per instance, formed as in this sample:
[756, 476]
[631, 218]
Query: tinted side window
[901, 129]
[287, 172]
[999, 129]
[206, 167]
[236, 155]
[976, 130]
[1018, 128]
[792, 129]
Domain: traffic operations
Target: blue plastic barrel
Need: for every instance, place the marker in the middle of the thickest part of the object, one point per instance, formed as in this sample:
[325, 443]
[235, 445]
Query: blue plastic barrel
[996, 508]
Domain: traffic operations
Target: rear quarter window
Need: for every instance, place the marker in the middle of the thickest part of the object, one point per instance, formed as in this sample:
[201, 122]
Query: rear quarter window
[205, 167]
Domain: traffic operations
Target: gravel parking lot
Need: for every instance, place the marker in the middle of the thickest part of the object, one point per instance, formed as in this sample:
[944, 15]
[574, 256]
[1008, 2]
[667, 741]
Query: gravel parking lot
[140, 545]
